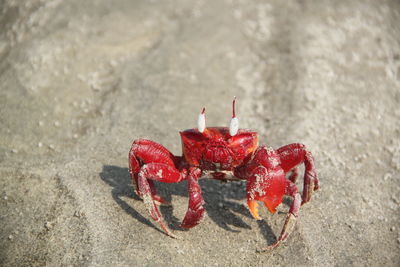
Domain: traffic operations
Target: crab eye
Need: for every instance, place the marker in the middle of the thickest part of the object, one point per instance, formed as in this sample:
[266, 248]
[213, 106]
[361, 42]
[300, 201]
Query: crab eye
[201, 121]
[234, 125]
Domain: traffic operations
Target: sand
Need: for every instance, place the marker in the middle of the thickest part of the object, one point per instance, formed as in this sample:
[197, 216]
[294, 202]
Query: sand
[80, 80]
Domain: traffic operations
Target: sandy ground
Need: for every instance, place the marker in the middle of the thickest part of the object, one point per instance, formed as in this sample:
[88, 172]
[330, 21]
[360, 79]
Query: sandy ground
[80, 80]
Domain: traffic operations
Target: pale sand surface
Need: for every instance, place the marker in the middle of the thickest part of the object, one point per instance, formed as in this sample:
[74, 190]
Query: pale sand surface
[80, 80]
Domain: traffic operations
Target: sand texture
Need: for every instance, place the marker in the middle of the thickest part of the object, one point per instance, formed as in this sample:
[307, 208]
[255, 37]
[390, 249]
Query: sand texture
[80, 80]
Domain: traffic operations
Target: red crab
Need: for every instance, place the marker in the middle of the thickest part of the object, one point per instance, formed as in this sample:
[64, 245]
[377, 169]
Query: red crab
[225, 154]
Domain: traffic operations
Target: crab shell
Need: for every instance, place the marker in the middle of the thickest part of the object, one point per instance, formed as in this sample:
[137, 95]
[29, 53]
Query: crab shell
[215, 149]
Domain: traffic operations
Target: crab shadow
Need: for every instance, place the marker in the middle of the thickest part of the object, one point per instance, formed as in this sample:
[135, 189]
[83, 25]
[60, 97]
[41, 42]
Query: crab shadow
[220, 201]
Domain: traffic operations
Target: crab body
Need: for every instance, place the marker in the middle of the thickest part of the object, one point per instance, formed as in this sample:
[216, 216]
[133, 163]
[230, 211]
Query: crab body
[223, 153]
[215, 149]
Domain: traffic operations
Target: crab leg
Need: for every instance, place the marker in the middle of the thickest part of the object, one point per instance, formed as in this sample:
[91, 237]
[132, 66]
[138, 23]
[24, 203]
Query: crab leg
[291, 190]
[149, 161]
[195, 210]
[160, 172]
[146, 151]
[145, 191]
[293, 155]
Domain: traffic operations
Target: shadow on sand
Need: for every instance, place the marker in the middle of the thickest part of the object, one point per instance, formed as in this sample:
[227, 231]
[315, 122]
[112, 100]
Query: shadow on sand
[217, 196]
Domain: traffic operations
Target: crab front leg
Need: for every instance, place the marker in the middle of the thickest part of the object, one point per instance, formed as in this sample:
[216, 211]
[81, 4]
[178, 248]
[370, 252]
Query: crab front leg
[195, 210]
[149, 161]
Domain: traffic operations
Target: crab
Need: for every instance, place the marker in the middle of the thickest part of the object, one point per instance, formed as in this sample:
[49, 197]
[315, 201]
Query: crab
[223, 153]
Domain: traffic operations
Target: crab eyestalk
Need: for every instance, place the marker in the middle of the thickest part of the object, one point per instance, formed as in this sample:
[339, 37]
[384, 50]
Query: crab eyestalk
[201, 121]
[234, 125]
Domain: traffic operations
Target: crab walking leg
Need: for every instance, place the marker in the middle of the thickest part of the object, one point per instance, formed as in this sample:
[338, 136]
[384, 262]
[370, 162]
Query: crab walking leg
[195, 210]
[146, 151]
[158, 200]
[295, 154]
[160, 172]
[145, 191]
[290, 222]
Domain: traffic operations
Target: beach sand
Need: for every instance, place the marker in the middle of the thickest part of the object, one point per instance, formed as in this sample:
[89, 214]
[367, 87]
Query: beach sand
[80, 80]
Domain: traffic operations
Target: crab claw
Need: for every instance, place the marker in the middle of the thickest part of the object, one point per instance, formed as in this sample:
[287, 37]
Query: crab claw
[253, 207]
[270, 204]
[268, 187]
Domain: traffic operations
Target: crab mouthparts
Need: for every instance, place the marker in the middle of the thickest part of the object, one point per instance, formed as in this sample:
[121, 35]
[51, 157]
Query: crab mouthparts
[217, 155]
